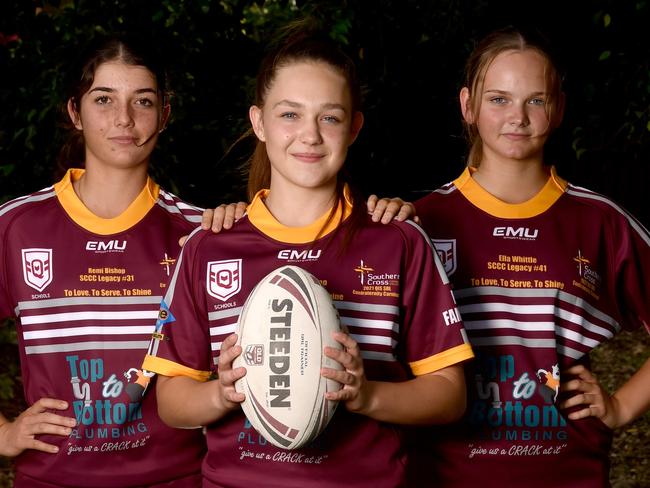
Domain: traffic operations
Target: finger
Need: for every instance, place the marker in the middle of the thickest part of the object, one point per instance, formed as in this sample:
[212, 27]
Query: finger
[392, 209]
[229, 216]
[233, 396]
[581, 414]
[240, 210]
[182, 240]
[380, 208]
[229, 376]
[406, 210]
[46, 403]
[38, 445]
[580, 399]
[346, 340]
[344, 377]
[50, 426]
[371, 203]
[342, 395]
[206, 218]
[417, 220]
[218, 218]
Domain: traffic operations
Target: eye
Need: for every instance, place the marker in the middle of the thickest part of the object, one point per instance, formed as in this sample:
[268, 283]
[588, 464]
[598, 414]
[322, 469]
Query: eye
[498, 100]
[331, 119]
[102, 100]
[145, 102]
[538, 101]
[289, 115]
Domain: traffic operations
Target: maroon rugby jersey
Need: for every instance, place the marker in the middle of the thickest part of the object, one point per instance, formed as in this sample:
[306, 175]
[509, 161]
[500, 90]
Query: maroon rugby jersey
[86, 292]
[539, 285]
[390, 293]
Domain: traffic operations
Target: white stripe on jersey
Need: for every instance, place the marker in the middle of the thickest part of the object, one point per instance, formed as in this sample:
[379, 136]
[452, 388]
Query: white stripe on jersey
[366, 307]
[580, 192]
[27, 199]
[224, 314]
[223, 329]
[378, 356]
[381, 340]
[539, 293]
[88, 330]
[508, 324]
[67, 302]
[370, 323]
[87, 346]
[89, 315]
[441, 269]
[446, 189]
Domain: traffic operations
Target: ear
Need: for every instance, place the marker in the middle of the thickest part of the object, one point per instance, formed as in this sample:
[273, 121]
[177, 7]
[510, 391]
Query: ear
[164, 117]
[75, 117]
[355, 127]
[465, 106]
[256, 117]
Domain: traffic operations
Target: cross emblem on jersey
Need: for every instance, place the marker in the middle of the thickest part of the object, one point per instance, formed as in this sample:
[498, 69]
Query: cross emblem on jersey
[167, 262]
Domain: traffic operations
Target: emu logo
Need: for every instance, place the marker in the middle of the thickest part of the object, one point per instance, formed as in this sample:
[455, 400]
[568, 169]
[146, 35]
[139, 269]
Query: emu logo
[515, 233]
[295, 255]
[106, 246]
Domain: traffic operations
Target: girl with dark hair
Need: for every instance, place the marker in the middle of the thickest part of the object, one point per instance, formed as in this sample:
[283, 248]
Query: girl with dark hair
[401, 358]
[85, 263]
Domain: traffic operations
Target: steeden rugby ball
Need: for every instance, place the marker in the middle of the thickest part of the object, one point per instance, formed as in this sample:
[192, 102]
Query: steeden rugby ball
[285, 323]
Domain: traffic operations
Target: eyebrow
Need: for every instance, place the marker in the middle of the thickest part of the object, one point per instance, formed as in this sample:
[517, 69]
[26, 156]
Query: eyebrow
[112, 90]
[505, 92]
[326, 106]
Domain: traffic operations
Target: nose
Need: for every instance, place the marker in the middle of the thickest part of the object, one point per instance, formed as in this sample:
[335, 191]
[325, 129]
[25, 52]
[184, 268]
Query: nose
[518, 116]
[123, 115]
[310, 133]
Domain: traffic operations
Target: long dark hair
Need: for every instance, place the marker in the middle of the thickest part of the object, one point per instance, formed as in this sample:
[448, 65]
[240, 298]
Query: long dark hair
[129, 50]
[305, 41]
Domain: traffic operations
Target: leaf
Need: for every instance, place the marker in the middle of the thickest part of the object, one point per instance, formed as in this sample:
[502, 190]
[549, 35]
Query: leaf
[648, 125]
[604, 55]
[607, 19]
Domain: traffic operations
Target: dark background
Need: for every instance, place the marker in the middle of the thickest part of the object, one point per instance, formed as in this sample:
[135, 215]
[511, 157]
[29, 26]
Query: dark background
[410, 54]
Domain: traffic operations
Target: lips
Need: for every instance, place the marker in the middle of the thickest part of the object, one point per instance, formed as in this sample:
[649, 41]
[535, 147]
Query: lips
[515, 136]
[308, 157]
[123, 140]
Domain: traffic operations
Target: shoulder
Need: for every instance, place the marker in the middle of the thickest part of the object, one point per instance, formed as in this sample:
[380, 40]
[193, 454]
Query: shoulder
[178, 208]
[18, 206]
[606, 209]
[410, 233]
[436, 197]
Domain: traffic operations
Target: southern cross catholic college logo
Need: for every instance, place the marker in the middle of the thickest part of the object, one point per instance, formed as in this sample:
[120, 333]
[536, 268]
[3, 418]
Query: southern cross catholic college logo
[37, 267]
[224, 278]
[362, 269]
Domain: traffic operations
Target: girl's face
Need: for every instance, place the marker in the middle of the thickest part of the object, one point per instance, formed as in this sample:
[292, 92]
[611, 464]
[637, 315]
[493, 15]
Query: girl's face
[307, 124]
[512, 121]
[120, 116]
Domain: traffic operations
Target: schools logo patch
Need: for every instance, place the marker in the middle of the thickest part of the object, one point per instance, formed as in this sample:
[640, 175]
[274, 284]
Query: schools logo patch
[446, 250]
[37, 267]
[224, 278]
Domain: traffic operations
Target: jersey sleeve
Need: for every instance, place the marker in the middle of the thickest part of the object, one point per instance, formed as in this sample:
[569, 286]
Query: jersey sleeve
[632, 269]
[180, 345]
[6, 308]
[434, 334]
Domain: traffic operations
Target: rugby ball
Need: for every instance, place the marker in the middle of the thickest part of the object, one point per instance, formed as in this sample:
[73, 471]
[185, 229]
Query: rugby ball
[285, 323]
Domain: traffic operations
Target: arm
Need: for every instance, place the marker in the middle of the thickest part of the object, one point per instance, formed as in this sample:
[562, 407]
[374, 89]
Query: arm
[434, 398]
[628, 403]
[386, 209]
[185, 402]
[20, 434]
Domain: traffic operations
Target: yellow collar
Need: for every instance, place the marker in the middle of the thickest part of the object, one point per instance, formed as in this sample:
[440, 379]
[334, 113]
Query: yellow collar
[547, 196]
[78, 212]
[262, 219]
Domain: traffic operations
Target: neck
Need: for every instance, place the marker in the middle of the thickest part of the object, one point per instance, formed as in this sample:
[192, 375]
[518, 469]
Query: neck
[299, 207]
[108, 192]
[513, 181]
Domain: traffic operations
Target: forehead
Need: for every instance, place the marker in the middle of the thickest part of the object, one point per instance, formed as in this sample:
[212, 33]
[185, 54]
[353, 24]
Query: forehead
[315, 81]
[118, 75]
[526, 68]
